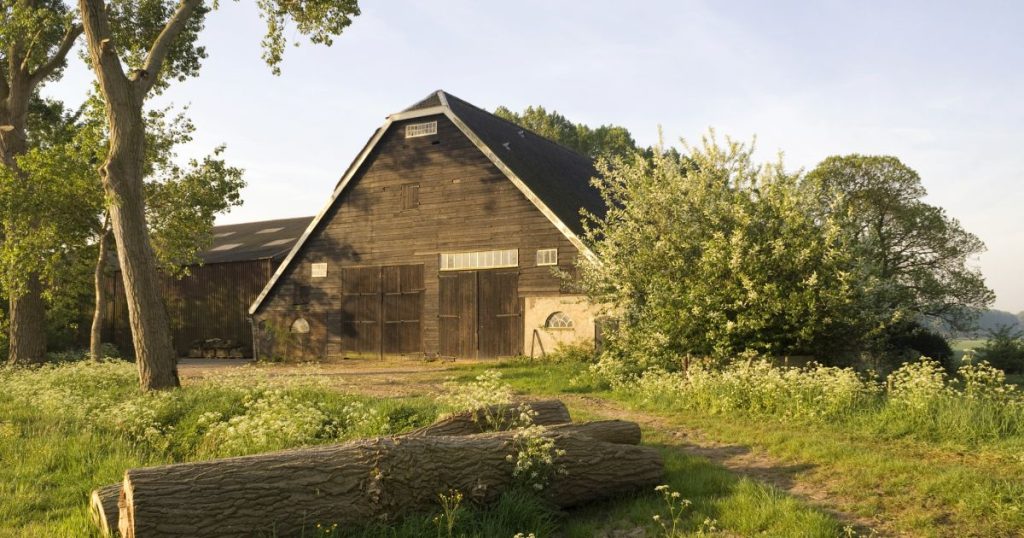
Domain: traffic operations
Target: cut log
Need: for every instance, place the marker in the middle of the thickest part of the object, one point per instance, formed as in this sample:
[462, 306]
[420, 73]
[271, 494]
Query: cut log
[619, 432]
[497, 417]
[286, 493]
[103, 509]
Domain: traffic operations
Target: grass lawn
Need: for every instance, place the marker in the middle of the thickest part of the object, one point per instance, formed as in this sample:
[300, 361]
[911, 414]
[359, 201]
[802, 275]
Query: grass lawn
[66, 430]
[905, 484]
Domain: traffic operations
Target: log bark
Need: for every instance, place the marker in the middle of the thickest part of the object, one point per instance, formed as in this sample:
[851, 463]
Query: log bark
[497, 417]
[366, 481]
[103, 508]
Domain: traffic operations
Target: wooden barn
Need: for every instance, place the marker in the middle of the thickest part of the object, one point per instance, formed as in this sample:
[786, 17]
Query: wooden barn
[212, 302]
[444, 237]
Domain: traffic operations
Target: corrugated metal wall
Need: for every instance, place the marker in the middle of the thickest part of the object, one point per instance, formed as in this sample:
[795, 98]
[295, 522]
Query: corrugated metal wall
[212, 302]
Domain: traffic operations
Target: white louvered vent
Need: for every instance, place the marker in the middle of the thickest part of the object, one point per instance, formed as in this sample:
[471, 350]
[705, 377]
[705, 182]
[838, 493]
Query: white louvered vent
[421, 129]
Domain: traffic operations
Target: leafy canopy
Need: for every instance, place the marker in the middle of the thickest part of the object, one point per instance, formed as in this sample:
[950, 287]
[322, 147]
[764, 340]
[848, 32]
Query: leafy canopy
[916, 258]
[610, 140]
[709, 253]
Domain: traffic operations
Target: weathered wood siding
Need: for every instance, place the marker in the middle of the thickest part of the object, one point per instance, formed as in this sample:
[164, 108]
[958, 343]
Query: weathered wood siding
[212, 302]
[465, 204]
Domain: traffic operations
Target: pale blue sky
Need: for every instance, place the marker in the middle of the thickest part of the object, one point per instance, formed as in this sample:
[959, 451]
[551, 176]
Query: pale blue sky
[938, 84]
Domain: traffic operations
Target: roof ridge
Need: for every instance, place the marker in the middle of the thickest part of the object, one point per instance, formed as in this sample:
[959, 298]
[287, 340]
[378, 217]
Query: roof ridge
[516, 125]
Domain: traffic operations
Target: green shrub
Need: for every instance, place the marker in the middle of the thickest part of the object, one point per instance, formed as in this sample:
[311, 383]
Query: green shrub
[1004, 349]
[918, 400]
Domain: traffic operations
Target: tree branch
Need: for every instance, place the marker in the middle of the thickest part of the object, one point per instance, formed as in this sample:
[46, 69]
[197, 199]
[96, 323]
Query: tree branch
[106, 63]
[59, 55]
[162, 46]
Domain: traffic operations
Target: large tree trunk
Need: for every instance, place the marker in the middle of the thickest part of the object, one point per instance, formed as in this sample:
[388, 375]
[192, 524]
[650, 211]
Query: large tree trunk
[27, 315]
[28, 324]
[367, 481]
[96, 331]
[122, 176]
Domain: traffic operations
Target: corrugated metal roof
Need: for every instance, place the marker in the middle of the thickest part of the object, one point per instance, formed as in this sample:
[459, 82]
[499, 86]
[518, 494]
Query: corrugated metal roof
[254, 240]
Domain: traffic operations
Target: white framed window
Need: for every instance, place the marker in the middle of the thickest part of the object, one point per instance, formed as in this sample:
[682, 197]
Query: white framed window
[488, 259]
[270, 230]
[421, 129]
[319, 270]
[558, 320]
[547, 256]
[276, 242]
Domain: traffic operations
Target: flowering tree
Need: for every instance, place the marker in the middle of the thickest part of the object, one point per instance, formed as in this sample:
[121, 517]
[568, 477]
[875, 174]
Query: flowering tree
[709, 253]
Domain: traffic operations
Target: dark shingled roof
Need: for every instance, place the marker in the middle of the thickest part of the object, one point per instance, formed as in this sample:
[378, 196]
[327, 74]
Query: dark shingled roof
[431, 100]
[254, 240]
[559, 176]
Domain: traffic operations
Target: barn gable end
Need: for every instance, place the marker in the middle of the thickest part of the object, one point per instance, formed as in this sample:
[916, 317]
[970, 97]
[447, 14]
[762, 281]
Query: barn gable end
[377, 271]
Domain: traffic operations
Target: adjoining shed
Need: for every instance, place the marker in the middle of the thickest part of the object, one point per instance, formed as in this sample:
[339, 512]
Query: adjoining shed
[445, 237]
[210, 305]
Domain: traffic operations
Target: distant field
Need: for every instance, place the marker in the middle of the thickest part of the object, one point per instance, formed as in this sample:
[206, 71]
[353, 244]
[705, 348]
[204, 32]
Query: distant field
[961, 345]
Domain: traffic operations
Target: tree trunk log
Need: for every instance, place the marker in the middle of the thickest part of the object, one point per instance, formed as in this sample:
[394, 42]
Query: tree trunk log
[96, 331]
[28, 324]
[497, 417]
[103, 508]
[374, 480]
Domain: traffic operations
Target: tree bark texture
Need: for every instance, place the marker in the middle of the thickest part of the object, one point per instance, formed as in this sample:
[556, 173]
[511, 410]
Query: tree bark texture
[96, 331]
[103, 508]
[366, 481]
[28, 324]
[497, 417]
[122, 176]
[553, 413]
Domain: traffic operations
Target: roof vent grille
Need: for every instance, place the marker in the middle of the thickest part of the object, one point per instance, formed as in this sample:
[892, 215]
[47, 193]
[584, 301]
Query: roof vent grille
[421, 129]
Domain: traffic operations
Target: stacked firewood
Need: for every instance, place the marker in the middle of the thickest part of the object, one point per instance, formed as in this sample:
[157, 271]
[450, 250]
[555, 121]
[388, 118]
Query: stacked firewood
[372, 480]
[216, 348]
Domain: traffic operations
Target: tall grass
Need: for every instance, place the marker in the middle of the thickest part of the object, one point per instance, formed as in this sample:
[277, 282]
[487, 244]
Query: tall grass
[919, 400]
[66, 429]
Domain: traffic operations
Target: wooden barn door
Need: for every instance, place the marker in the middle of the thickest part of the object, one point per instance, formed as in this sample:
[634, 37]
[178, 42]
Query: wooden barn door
[402, 286]
[479, 314]
[457, 314]
[499, 314]
[360, 311]
[382, 310]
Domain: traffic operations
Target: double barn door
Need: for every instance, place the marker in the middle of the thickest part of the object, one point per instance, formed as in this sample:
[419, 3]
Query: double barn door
[479, 314]
[382, 310]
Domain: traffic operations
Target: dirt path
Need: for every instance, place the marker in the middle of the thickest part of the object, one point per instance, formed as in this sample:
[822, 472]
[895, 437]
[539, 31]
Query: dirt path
[405, 379]
[739, 459]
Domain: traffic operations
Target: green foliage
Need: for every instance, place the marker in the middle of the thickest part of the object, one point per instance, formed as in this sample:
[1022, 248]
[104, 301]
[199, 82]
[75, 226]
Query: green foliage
[32, 31]
[181, 208]
[1004, 349]
[608, 140]
[49, 202]
[320, 20]
[912, 256]
[712, 254]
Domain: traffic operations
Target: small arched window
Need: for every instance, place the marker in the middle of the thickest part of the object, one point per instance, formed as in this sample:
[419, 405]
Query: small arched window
[300, 326]
[558, 320]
